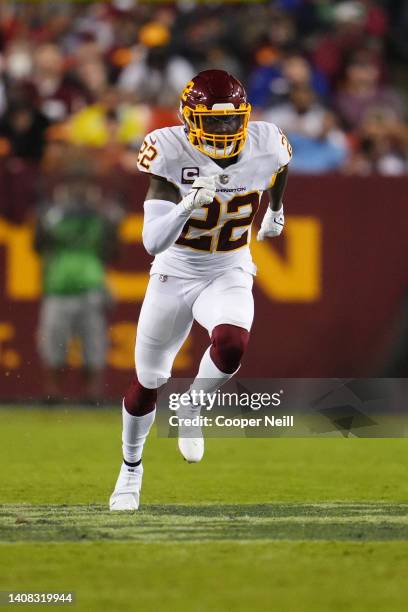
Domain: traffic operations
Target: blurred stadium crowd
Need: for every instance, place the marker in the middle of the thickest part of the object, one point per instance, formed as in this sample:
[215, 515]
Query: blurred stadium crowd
[99, 75]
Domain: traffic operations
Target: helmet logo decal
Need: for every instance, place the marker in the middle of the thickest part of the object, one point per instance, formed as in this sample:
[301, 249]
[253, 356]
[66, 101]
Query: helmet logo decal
[187, 90]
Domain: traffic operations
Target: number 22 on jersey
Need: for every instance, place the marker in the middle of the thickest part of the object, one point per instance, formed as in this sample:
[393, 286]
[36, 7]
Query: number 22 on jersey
[222, 234]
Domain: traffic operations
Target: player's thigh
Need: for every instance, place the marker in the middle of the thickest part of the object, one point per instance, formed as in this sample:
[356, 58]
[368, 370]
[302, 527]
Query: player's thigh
[164, 323]
[92, 329]
[55, 329]
[227, 300]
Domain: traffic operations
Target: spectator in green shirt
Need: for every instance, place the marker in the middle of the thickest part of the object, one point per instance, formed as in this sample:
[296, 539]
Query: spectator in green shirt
[76, 235]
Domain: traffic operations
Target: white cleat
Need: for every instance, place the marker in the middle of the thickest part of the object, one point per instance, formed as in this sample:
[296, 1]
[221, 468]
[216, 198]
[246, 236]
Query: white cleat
[126, 495]
[192, 449]
[190, 435]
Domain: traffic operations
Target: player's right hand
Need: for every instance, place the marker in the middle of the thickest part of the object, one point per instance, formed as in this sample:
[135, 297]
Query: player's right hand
[202, 192]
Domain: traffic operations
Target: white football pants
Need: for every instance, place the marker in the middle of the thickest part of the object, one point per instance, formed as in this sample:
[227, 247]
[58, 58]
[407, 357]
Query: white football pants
[170, 306]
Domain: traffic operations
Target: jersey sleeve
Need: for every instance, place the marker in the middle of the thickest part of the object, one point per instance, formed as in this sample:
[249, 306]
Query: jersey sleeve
[283, 148]
[151, 158]
[279, 153]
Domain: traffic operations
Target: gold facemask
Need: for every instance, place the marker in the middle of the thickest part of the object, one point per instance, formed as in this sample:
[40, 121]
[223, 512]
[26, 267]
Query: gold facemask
[216, 145]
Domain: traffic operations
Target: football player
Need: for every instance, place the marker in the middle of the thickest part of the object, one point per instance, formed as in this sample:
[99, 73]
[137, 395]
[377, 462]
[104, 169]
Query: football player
[207, 177]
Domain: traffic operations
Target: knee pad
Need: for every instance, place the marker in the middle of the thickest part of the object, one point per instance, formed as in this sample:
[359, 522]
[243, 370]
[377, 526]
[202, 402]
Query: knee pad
[139, 400]
[229, 343]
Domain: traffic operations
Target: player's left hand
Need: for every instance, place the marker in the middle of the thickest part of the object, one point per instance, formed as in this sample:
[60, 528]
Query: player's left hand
[272, 224]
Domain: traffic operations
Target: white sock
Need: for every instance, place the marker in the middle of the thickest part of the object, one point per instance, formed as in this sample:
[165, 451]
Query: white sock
[134, 434]
[209, 378]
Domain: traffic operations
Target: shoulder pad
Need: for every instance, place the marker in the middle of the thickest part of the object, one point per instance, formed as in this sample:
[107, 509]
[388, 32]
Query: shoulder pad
[278, 145]
[151, 158]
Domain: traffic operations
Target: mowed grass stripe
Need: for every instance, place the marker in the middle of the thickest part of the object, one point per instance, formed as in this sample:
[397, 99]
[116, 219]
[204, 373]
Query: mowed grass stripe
[353, 521]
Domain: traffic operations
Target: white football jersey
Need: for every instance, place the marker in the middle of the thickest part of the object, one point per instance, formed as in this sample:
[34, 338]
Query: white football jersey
[216, 237]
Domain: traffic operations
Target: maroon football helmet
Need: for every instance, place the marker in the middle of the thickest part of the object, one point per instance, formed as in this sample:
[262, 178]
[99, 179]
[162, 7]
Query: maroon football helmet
[215, 112]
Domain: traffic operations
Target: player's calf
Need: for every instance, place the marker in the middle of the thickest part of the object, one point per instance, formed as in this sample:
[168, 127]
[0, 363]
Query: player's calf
[138, 413]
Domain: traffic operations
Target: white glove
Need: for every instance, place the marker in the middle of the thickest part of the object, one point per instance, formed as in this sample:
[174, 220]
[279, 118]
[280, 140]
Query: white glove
[272, 224]
[202, 192]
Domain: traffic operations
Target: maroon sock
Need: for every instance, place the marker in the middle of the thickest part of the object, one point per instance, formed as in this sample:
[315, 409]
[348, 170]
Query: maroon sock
[139, 400]
[228, 345]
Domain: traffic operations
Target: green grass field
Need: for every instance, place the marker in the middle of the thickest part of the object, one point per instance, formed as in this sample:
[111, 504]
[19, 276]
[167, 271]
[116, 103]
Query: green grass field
[318, 524]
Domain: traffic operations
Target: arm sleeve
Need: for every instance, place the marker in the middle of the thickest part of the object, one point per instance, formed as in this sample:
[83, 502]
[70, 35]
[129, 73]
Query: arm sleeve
[162, 224]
